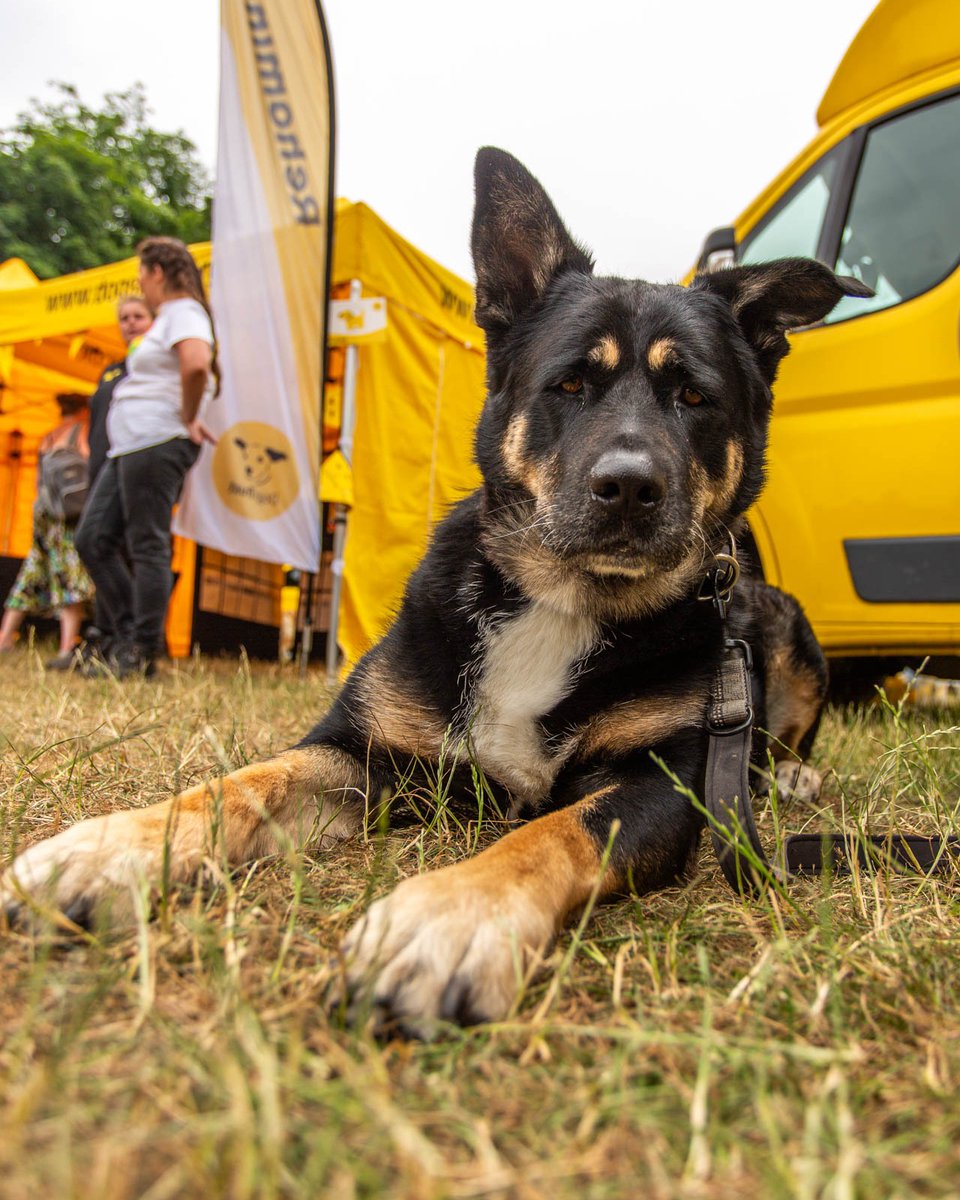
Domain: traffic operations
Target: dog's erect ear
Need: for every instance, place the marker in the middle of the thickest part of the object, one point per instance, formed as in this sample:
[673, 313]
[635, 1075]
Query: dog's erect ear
[519, 242]
[769, 298]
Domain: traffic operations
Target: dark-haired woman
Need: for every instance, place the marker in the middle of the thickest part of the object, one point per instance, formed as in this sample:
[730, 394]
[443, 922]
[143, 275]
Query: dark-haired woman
[155, 429]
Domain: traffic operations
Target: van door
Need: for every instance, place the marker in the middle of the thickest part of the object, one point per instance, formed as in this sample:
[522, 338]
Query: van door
[861, 516]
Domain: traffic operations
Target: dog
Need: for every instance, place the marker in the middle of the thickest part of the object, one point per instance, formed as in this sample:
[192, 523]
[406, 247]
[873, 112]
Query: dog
[553, 637]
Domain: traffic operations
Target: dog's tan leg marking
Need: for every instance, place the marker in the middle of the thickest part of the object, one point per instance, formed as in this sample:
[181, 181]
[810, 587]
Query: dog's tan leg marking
[453, 943]
[250, 813]
[638, 723]
[794, 698]
[396, 717]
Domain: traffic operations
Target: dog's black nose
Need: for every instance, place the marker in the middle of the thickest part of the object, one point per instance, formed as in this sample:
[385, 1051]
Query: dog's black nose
[627, 483]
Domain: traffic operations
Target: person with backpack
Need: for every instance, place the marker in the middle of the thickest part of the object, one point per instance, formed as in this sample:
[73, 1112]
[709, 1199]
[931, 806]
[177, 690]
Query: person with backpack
[156, 430]
[52, 579]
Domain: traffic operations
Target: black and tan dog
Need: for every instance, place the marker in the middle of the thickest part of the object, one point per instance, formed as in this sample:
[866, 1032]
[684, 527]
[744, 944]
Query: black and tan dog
[552, 634]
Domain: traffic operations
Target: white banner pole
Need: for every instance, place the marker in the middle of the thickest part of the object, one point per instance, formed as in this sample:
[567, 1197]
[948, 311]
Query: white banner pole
[347, 420]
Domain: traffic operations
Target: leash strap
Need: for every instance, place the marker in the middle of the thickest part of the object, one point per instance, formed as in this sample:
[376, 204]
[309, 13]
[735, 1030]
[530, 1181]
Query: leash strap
[727, 791]
[904, 853]
[727, 787]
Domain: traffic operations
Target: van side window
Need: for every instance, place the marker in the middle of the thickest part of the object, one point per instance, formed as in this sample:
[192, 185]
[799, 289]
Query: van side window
[902, 233]
[794, 227]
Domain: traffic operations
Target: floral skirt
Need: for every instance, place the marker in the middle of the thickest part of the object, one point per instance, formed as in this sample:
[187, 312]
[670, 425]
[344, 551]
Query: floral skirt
[52, 575]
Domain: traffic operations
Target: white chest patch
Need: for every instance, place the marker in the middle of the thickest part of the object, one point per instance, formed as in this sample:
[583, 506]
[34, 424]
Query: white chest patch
[530, 662]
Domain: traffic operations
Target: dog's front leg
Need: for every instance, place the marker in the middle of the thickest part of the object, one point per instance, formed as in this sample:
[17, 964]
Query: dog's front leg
[454, 944]
[252, 812]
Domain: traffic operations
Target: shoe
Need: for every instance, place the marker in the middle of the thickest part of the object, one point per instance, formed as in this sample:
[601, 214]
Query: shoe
[94, 657]
[128, 660]
[124, 662]
[65, 661]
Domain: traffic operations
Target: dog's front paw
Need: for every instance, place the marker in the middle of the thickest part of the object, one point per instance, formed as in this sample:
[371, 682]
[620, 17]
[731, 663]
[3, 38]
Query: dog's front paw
[451, 945]
[77, 871]
[797, 781]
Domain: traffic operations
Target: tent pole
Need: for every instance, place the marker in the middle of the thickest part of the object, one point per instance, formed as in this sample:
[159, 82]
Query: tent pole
[306, 633]
[347, 420]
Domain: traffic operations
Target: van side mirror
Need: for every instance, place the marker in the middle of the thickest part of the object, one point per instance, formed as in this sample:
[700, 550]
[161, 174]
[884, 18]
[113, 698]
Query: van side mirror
[719, 249]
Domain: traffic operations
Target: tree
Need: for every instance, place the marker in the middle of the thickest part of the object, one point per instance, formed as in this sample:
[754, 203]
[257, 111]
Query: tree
[81, 186]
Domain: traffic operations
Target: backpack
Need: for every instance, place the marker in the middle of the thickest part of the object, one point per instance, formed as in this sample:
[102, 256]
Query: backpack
[64, 480]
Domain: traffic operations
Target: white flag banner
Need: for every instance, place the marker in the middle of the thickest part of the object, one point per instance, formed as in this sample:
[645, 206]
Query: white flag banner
[256, 493]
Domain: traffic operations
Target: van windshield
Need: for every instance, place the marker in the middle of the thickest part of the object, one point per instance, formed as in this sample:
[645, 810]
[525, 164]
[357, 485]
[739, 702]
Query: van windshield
[902, 233]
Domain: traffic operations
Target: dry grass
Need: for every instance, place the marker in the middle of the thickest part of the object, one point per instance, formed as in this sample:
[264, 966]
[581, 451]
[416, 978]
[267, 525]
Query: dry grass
[686, 1045]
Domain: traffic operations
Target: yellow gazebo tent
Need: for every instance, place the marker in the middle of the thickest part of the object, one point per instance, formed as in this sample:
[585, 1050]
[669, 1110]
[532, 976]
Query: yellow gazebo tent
[419, 390]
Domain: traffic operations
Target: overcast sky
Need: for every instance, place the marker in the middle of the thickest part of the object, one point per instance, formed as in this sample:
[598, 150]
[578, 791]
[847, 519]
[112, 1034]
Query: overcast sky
[648, 122]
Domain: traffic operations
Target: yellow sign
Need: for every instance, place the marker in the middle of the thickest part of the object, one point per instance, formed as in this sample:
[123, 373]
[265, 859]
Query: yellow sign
[255, 471]
[336, 480]
[357, 320]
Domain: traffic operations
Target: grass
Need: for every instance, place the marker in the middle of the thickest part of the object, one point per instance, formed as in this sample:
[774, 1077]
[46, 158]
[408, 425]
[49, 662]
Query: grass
[682, 1044]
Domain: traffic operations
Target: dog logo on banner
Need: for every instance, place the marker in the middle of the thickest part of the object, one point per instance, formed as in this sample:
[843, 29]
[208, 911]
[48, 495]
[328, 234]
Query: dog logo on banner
[254, 471]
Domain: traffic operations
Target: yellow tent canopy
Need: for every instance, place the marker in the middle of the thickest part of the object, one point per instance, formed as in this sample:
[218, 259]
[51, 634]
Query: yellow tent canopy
[419, 390]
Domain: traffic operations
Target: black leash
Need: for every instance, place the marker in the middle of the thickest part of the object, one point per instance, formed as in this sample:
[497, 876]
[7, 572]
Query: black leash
[727, 786]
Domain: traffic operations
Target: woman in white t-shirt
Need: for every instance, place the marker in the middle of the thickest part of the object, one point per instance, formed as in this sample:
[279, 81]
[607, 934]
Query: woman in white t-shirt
[155, 429]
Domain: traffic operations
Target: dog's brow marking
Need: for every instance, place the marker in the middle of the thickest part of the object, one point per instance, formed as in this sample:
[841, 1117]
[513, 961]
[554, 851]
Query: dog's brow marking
[661, 352]
[606, 353]
[529, 665]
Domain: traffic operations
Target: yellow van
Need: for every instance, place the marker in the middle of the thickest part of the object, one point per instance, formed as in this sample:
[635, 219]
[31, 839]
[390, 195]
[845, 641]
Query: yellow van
[861, 515]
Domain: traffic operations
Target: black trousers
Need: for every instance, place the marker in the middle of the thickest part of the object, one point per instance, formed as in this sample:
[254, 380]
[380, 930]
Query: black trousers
[126, 520]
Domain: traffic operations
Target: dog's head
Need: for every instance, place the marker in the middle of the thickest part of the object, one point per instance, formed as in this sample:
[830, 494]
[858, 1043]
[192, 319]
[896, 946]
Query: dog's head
[257, 460]
[626, 422]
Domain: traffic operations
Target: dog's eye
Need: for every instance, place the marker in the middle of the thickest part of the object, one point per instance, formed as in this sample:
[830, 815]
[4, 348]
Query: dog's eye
[691, 396]
[572, 385]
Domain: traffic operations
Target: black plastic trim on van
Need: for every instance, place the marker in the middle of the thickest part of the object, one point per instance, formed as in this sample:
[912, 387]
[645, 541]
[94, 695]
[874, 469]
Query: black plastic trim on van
[838, 206]
[835, 218]
[921, 570]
